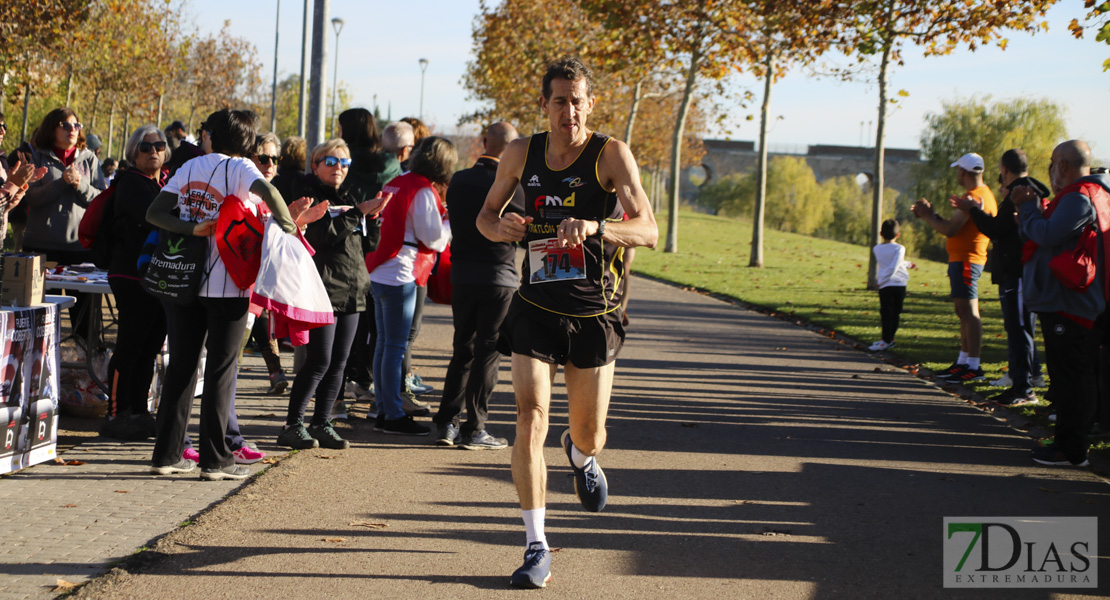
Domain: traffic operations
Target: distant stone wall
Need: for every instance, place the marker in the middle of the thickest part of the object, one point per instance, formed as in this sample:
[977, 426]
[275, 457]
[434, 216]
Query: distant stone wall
[724, 157]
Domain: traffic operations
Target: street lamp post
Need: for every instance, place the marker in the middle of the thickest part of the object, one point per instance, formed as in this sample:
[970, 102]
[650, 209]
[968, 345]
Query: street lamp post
[273, 91]
[337, 24]
[423, 68]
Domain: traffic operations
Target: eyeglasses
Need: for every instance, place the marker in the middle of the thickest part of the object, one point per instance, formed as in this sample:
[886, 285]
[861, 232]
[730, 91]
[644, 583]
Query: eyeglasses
[145, 147]
[331, 161]
[71, 126]
[266, 159]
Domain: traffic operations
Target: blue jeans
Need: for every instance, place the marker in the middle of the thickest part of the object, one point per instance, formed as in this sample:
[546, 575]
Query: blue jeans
[1021, 328]
[393, 309]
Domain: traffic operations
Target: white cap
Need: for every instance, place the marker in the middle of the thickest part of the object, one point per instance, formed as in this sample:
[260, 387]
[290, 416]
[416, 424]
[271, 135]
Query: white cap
[970, 162]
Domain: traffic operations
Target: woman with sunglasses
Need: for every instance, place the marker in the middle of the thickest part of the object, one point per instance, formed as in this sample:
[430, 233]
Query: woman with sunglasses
[266, 159]
[341, 239]
[56, 203]
[14, 180]
[141, 319]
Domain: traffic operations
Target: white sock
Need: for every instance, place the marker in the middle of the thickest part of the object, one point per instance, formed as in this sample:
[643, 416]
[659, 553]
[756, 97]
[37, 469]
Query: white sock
[962, 360]
[972, 363]
[533, 526]
[580, 460]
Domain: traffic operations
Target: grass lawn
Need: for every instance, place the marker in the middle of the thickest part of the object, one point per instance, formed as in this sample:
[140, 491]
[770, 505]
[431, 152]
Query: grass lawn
[824, 282]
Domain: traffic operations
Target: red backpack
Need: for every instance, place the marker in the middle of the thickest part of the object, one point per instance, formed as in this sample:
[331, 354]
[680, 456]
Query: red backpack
[94, 216]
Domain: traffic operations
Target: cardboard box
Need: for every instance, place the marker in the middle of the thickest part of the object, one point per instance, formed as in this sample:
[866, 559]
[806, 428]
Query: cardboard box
[21, 279]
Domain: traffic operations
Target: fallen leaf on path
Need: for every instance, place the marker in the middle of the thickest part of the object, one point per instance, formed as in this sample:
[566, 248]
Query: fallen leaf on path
[69, 463]
[1049, 490]
[123, 492]
[69, 506]
[269, 461]
[64, 586]
[369, 524]
[325, 456]
[335, 540]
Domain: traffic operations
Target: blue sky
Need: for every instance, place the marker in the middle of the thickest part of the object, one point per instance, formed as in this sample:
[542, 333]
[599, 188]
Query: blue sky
[382, 42]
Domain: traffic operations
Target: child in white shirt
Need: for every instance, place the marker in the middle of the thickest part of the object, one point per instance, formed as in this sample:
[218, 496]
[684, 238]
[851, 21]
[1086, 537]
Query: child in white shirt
[892, 275]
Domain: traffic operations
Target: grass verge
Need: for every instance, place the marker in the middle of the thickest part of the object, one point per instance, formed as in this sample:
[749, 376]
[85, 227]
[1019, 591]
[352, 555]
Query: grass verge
[824, 282]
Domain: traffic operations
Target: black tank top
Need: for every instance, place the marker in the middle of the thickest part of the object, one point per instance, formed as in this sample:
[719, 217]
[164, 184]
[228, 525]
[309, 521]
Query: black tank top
[550, 197]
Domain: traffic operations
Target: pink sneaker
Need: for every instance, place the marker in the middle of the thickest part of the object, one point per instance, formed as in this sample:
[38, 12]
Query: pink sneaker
[190, 454]
[246, 456]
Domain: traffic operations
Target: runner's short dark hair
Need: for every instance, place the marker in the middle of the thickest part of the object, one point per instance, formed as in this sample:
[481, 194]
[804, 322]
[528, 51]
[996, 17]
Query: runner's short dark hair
[1015, 161]
[569, 68]
[890, 229]
[232, 131]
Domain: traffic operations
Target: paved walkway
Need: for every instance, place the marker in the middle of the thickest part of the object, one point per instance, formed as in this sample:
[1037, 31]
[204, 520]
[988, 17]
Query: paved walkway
[746, 458]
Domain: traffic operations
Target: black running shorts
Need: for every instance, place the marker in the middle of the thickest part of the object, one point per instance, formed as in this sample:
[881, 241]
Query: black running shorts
[585, 342]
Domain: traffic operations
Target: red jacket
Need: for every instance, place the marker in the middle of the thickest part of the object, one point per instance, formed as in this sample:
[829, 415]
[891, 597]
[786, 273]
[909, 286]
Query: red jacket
[403, 188]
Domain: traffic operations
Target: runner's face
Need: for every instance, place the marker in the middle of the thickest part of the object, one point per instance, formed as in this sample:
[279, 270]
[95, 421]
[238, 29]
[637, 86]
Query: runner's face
[568, 107]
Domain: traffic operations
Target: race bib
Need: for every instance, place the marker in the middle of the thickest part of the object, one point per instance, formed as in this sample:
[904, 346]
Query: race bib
[549, 261]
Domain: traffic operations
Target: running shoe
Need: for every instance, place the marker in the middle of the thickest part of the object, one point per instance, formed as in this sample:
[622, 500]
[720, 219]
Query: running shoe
[966, 375]
[416, 385]
[1051, 457]
[297, 438]
[880, 345]
[536, 570]
[358, 391]
[328, 438]
[278, 384]
[950, 371]
[246, 456]
[482, 440]
[446, 434]
[231, 472]
[182, 466]
[190, 454]
[1014, 398]
[1003, 381]
[372, 409]
[1037, 381]
[589, 482]
[414, 407]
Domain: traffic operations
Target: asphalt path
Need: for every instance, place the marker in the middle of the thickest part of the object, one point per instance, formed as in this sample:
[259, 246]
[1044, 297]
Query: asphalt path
[747, 458]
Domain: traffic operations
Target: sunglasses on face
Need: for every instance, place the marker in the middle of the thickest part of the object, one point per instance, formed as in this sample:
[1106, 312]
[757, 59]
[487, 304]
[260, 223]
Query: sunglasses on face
[71, 126]
[148, 146]
[266, 159]
[3, 126]
[331, 161]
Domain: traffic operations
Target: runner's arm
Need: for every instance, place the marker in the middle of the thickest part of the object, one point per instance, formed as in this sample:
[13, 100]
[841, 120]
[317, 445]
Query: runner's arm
[493, 222]
[160, 214]
[279, 210]
[618, 168]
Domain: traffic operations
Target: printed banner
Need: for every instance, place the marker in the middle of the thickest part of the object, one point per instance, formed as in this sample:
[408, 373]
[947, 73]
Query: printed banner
[28, 386]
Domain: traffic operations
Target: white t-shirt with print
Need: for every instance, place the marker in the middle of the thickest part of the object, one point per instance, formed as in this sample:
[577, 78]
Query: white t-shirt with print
[201, 185]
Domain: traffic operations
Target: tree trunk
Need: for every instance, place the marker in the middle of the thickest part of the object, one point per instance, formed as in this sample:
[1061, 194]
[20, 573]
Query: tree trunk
[95, 110]
[26, 109]
[637, 93]
[676, 152]
[877, 179]
[158, 119]
[69, 85]
[761, 169]
[123, 134]
[111, 127]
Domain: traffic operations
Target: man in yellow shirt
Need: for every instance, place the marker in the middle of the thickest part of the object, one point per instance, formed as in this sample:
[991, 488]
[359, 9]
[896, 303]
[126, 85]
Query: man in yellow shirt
[967, 253]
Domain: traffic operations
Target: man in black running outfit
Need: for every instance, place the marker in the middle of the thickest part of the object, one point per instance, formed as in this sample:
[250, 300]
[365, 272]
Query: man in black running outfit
[578, 185]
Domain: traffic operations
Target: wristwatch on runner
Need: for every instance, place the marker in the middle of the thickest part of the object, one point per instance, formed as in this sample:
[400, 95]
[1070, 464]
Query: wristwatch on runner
[600, 228]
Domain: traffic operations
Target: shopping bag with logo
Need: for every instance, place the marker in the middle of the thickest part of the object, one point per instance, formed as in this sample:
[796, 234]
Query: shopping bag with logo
[176, 268]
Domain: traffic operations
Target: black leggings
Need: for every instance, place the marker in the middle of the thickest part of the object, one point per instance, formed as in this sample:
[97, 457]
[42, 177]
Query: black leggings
[139, 336]
[321, 375]
[223, 321]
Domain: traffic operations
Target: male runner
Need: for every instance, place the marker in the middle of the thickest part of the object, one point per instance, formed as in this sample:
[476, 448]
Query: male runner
[578, 185]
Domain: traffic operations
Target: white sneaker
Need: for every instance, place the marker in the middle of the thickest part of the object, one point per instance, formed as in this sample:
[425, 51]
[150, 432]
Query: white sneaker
[359, 393]
[1003, 381]
[880, 345]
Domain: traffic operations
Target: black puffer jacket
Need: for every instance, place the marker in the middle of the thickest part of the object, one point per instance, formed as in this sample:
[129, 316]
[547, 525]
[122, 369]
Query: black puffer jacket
[340, 245]
[1002, 229]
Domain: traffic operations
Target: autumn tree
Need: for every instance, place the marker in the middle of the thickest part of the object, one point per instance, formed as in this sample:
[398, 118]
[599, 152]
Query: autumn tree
[1098, 18]
[882, 27]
